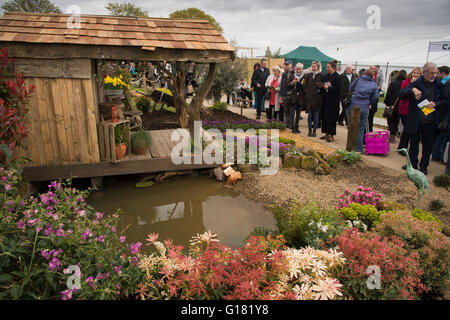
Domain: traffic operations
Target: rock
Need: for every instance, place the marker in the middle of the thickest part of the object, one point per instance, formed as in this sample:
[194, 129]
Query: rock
[319, 170]
[218, 173]
[291, 161]
[247, 167]
[325, 167]
[280, 162]
[309, 163]
[306, 150]
[329, 155]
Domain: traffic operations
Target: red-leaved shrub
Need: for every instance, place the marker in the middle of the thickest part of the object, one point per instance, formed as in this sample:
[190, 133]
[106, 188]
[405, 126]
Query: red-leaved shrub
[424, 238]
[399, 269]
[14, 96]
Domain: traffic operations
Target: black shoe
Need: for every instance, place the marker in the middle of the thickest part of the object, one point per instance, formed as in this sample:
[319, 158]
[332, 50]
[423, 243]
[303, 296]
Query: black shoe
[314, 133]
[341, 123]
[424, 171]
[258, 117]
[310, 132]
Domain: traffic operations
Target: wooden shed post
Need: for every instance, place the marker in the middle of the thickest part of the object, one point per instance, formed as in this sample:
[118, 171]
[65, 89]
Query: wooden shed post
[353, 125]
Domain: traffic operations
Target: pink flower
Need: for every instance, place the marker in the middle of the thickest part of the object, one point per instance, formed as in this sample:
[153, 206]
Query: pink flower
[122, 239]
[135, 247]
[20, 225]
[152, 237]
[7, 187]
[99, 215]
[66, 295]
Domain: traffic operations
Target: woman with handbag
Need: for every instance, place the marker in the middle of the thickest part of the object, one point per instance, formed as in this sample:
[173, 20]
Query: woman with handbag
[391, 101]
[272, 98]
[403, 107]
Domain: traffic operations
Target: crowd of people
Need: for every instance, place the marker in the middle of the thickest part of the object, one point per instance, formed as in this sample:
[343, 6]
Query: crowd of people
[418, 101]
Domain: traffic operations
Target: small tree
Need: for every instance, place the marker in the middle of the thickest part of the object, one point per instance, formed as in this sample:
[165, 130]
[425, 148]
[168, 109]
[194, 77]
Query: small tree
[125, 9]
[38, 6]
[275, 54]
[227, 76]
[194, 13]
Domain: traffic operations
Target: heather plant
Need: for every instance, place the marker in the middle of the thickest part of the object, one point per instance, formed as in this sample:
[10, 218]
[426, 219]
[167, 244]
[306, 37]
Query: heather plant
[50, 240]
[399, 268]
[262, 269]
[422, 237]
[367, 214]
[362, 196]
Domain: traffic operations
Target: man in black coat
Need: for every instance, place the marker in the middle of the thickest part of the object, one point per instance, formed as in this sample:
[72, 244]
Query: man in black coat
[259, 85]
[346, 79]
[441, 140]
[288, 93]
[421, 127]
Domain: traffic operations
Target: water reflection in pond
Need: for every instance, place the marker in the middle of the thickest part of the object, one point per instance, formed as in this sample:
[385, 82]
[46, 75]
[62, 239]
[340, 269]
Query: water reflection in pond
[181, 208]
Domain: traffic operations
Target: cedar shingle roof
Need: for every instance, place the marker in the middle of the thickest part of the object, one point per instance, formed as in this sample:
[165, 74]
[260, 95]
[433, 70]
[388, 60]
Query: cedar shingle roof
[146, 33]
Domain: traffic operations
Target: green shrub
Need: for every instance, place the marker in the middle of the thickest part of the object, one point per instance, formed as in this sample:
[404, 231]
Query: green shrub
[349, 157]
[308, 225]
[424, 237]
[332, 161]
[219, 106]
[436, 205]
[426, 216]
[286, 141]
[367, 214]
[393, 206]
[442, 181]
[144, 104]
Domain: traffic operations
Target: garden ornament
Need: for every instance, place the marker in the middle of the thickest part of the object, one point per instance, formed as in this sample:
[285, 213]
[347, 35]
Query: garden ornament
[419, 179]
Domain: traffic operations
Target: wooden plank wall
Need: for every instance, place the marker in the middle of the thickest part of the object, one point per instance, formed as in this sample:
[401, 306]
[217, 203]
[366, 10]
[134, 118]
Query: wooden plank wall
[63, 122]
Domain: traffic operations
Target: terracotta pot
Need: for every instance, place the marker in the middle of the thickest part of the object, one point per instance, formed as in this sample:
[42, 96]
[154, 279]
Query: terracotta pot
[140, 149]
[121, 149]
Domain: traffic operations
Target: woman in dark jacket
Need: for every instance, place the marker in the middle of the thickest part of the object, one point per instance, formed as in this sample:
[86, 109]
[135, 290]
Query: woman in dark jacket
[314, 97]
[392, 101]
[331, 101]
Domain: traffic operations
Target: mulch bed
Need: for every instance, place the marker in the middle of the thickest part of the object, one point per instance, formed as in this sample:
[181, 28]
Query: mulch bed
[163, 119]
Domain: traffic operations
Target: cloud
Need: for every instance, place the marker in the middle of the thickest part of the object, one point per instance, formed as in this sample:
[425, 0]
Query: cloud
[326, 24]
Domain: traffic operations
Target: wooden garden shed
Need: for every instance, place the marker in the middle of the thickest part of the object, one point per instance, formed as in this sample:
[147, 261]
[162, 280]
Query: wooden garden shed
[59, 54]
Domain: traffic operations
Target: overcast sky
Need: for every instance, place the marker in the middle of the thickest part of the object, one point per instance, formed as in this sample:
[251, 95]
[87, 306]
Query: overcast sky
[406, 25]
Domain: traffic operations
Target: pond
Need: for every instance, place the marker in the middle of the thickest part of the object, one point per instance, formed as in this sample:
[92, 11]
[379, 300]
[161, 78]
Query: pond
[180, 208]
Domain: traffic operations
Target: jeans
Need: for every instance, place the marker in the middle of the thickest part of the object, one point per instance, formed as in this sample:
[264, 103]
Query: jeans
[295, 117]
[313, 116]
[426, 134]
[363, 118]
[439, 147]
[259, 101]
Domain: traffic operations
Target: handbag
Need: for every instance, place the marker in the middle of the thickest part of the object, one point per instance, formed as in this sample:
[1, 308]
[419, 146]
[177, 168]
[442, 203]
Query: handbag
[347, 99]
[389, 111]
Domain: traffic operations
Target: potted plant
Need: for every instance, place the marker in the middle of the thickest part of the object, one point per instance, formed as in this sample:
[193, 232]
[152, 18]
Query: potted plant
[120, 141]
[114, 86]
[140, 142]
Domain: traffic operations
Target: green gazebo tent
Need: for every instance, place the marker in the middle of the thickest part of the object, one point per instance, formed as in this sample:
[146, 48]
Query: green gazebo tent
[307, 55]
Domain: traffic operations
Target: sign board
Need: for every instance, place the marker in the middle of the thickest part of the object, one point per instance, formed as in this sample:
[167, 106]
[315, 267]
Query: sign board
[439, 46]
